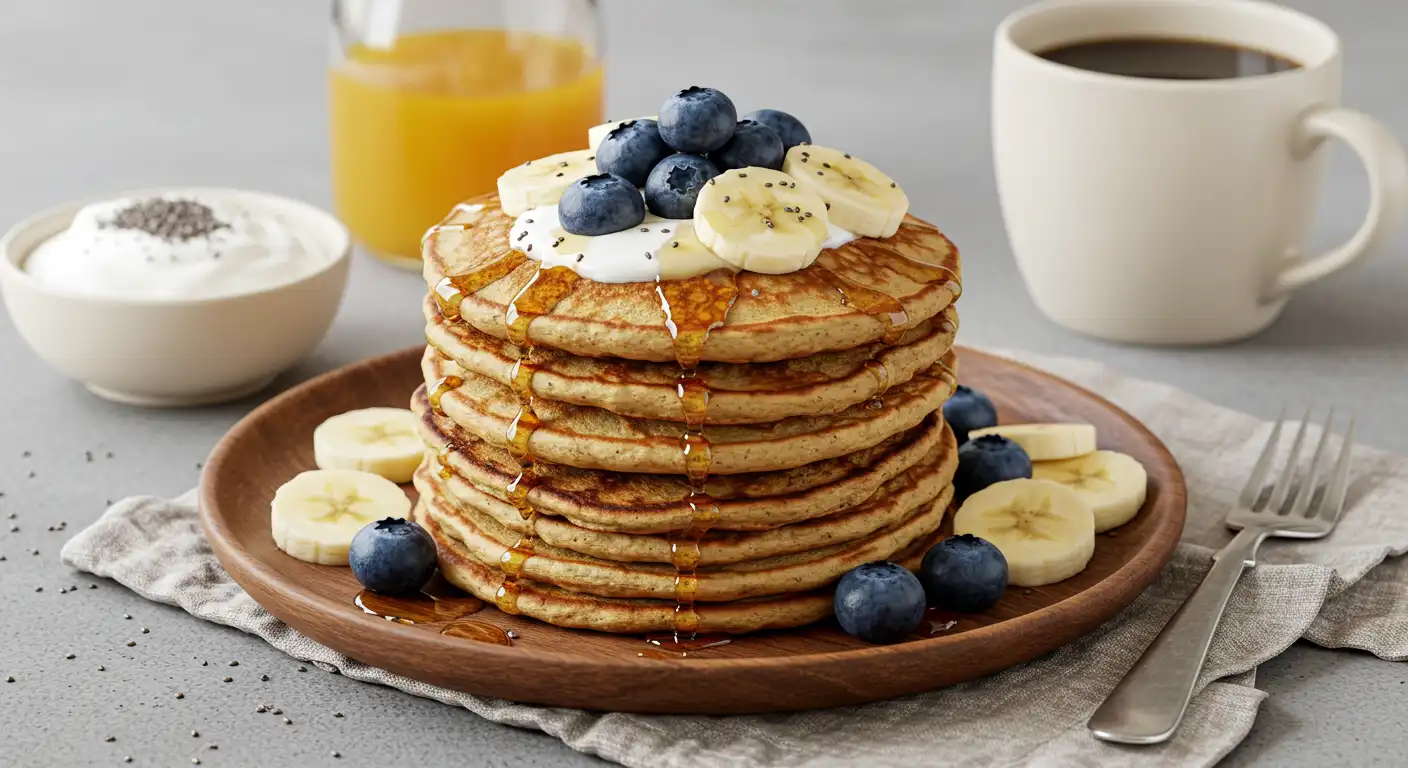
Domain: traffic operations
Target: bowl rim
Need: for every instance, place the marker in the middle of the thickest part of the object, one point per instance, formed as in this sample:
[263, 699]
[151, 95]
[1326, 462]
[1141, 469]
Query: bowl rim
[12, 273]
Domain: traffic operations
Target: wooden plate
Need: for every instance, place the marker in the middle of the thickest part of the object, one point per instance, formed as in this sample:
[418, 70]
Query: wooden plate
[818, 666]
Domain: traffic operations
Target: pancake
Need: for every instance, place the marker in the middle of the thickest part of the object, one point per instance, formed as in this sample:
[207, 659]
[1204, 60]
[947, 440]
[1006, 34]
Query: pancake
[564, 608]
[851, 296]
[595, 438]
[818, 385]
[652, 503]
[487, 541]
[887, 507]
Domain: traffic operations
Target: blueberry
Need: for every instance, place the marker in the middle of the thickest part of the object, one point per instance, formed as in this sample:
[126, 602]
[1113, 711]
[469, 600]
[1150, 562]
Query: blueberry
[697, 120]
[964, 573]
[631, 149]
[879, 602]
[788, 128]
[753, 144]
[392, 556]
[987, 460]
[599, 205]
[675, 183]
[968, 410]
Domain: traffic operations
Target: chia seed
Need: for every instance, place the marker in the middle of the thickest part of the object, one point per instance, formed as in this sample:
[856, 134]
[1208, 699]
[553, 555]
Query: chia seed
[227, 679]
[170, 220]
[234, 663]
[180, 695]
[263, 678]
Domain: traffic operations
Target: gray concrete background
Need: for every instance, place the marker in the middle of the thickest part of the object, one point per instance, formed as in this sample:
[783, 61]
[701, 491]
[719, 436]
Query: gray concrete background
[99, 97]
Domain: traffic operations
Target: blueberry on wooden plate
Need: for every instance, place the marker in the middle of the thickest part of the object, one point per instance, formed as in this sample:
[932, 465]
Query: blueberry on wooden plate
[674, 184]
[631, 149]
[788, 128]
[879, 602]
[986, 460]
[599, 205]
[968, 410]
[392, 556]
[964, 573]
[752, 145]
[697, 120]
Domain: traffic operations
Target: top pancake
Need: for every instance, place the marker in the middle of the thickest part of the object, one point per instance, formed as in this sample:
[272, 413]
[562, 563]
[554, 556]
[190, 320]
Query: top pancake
[774, 317]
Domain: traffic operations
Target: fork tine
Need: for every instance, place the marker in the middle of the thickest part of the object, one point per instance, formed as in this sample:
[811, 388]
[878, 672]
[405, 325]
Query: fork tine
[1252, 490]
[1307, 488]
[1333, 503]
[1288, 472]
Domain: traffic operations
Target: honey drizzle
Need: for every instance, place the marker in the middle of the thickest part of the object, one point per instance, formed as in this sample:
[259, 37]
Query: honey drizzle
[881, 374]
[881, 306]
[538, 297]
[442, 387]
[692, 308]
[451, 291]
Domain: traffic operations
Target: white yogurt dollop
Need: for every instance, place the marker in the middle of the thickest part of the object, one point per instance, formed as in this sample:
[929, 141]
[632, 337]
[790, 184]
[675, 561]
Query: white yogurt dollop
[655, 249]
[166, 248]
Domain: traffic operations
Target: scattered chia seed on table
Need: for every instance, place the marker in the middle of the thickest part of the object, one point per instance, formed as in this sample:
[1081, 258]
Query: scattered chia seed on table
[171, 220]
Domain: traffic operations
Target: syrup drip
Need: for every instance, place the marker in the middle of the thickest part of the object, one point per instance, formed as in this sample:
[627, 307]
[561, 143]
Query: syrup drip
[667, 645]
[451, 291]
[438, 228]
[437, 601]
[538, 297]
[692, 308]
[443, 459]
[442, 387]
[878, 370]
[478, 631]
[881, 306]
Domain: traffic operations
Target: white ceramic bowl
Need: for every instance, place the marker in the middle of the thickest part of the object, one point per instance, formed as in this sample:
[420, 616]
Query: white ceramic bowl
[173, 352]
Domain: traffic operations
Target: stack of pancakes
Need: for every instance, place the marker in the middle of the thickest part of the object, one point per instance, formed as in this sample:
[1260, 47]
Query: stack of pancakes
[708, 454]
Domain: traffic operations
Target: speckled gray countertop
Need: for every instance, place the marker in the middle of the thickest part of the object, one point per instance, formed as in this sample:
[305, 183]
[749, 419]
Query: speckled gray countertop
[100, 97]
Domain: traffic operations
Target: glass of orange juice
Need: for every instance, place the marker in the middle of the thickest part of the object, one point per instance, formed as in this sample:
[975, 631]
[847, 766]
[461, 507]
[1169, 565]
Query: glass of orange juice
[431, 100]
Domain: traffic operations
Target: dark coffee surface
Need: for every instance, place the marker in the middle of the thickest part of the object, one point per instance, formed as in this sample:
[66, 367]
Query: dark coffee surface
[1168, 59]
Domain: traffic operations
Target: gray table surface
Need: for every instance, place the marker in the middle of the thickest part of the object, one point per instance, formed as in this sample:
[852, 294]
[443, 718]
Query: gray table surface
[100, 97]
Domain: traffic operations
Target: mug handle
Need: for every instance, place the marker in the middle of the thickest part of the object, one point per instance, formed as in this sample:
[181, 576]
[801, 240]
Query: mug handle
[1387, 166]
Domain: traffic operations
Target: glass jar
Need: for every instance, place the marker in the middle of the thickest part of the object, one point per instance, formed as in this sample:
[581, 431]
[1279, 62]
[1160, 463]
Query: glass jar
[430, 100]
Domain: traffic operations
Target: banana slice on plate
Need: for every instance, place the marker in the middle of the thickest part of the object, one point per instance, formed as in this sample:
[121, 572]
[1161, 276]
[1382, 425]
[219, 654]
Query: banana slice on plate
[861, 198]
[542, 182]
[760, 220]
[315, 515]
[1113, 484]
[383, 441]
[1046, 442]
[598, 132]
[1045, 530]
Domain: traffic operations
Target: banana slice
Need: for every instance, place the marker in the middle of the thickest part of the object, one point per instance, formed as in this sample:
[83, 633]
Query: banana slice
[1045, 530]
[383, 441]
[1046, 442]
[315, 515]
[542, 182]
[861, 198]
[761, 220]
[598, 132]
[1113, 484]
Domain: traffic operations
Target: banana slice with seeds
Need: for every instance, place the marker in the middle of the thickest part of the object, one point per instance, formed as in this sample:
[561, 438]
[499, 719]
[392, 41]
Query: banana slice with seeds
[1113, 484]
[760, 220]
[1045, 530]
[542, 182]
[860, 197]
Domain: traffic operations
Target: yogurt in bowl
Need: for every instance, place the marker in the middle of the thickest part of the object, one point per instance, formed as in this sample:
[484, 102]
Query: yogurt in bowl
[175, 296]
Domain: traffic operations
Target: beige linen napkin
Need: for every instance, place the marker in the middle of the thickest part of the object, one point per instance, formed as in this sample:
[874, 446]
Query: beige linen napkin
[1337, 592]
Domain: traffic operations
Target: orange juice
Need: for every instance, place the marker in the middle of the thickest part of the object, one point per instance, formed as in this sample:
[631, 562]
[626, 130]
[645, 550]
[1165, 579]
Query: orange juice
[436, 118]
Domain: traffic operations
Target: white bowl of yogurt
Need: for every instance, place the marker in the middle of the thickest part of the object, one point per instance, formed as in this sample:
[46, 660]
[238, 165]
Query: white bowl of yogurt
[175, 296]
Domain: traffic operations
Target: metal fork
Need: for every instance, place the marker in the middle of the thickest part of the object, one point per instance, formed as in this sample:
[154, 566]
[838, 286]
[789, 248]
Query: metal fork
[1147, 705]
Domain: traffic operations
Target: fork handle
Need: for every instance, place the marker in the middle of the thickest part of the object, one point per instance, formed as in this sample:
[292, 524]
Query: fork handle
[1148, 703]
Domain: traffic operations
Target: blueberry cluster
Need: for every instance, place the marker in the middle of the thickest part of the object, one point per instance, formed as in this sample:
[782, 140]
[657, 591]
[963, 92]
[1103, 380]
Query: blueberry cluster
[698, 136]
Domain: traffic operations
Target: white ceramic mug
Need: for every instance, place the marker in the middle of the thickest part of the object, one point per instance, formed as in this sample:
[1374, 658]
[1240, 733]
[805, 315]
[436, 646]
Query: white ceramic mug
[1174, 211]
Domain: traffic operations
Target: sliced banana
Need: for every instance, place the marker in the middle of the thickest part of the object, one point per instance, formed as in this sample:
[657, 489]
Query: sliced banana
[861, 198]
[1113, 484]
[598, 132]
[383, 441]
[1045, 530]
[542, 182]
[1046, 442]
[315, 515]
[760, 220]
